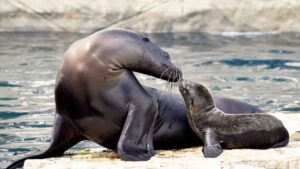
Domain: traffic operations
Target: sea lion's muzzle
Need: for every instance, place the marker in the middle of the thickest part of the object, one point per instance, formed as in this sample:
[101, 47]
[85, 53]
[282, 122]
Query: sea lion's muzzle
[171, 73]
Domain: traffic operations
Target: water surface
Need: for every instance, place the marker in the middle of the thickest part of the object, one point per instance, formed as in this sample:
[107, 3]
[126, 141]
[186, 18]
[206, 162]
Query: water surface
[263, 70]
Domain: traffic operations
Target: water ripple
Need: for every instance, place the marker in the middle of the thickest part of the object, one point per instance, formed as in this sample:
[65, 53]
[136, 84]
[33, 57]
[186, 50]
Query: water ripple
[235, 78]
[9, 115]
[9, 84]
[291, 109]
[227, 64]
[281, 52]
[9, 105]
[25, 125]
[268, 63]
[17, 151]
[279, 79]
[8, 98]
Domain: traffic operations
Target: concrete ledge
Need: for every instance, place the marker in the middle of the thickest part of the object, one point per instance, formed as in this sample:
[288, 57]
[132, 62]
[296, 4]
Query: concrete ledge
[192, 158]
[280, 158]
[151, 15]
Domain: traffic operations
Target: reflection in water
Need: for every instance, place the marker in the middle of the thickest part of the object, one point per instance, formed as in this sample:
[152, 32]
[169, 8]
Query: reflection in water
[263, 70]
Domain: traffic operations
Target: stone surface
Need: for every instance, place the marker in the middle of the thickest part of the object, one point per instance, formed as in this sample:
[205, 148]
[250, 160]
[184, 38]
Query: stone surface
[280, 158]
[151, 15]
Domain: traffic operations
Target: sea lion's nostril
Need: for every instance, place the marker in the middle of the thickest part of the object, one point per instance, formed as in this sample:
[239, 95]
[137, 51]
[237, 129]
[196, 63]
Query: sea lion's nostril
[183, 83]
[179, 74]
[165, 66]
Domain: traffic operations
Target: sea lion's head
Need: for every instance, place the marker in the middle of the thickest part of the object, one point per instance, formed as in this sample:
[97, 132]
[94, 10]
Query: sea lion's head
[196, 96]
[158, 62]
[138, 53]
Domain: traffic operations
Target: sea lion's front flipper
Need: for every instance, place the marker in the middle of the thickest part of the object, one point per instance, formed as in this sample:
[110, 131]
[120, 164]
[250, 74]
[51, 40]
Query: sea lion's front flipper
[212, 147]
[136, 140]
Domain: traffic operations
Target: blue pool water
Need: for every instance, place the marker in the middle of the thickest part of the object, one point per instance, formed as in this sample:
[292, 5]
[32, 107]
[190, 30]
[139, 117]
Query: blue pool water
[263, 70]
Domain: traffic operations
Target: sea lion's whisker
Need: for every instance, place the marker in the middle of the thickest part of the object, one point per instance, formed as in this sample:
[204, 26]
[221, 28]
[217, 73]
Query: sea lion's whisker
[170, 75]
[177, 74]
[165, 71]
[170, 86]
[165, 91]
[167, 87]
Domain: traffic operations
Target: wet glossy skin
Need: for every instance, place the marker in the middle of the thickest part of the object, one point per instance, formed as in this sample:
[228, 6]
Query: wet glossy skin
[98, 98]
[218, 129]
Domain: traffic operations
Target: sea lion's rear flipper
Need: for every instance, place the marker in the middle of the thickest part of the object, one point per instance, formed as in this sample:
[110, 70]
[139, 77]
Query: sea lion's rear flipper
[212, 147]
[64, 137]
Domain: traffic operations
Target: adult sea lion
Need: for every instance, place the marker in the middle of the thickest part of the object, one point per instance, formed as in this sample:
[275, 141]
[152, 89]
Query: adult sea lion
[218, 129]
[98, 98]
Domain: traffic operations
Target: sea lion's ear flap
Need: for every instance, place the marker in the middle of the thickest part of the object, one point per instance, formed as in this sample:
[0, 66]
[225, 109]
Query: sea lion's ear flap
[200, 89]
[205, 98]
[146, 39]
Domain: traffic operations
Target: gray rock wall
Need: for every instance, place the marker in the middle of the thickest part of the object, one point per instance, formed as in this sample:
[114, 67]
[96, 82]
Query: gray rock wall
[151, 15]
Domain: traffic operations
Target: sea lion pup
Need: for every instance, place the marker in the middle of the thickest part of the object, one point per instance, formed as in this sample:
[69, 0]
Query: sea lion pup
[217, 129]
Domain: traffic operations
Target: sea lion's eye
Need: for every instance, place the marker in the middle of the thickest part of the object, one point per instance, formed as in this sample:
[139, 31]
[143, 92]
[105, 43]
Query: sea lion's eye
[145, 39]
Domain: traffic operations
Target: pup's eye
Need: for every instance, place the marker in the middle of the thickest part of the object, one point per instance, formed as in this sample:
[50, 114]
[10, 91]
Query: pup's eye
[145, 39]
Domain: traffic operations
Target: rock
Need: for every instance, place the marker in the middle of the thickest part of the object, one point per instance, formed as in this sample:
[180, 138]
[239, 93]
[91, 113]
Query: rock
[280, 158]
[151, 16]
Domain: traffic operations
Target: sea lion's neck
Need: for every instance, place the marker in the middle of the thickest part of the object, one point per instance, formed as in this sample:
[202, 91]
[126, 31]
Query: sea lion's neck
[119, 54]
[205, 110]
[119, 60]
